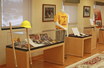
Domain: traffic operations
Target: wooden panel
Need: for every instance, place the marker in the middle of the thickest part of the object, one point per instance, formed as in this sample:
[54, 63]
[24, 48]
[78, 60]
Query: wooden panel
[87, 46]
[94, 38]
[77, 46]
[44, 48]
[92, 32]
[101, 36]
[22, 59]
[74, 46]
[54, 55]
[10, 63]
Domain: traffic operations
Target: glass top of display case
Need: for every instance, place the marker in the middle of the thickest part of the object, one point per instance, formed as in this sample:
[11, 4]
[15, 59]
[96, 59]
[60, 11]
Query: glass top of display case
[36, 40]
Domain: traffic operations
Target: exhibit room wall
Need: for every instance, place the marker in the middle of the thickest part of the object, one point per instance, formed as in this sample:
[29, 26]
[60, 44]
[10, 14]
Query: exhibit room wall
[37, 25]
[84, 21]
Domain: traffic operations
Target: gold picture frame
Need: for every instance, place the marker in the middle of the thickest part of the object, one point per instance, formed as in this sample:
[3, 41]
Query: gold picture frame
[48, 12]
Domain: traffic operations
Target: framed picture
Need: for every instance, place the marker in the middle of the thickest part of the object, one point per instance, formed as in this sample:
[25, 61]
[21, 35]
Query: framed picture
[48, 12]
[86, 11]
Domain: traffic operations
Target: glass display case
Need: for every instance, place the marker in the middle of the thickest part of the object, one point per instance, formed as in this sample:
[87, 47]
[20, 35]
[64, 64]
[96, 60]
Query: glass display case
[36, 40]
[45, 41]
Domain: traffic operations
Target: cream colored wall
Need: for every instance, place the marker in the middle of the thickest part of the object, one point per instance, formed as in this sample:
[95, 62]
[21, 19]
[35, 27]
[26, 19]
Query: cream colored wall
[83, 21]
[37, 24]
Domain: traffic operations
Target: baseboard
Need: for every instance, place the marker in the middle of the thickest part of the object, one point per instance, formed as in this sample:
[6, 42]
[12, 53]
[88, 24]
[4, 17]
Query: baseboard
[37, 57]
[33, 58]
[4, 65]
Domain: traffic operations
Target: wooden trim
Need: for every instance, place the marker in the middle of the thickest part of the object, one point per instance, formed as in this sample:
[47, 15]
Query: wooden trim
[77, 46]
[61, 44]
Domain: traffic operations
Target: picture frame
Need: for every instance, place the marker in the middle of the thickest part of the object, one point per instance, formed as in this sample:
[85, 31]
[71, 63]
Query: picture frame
[48, 12]
[86, 11]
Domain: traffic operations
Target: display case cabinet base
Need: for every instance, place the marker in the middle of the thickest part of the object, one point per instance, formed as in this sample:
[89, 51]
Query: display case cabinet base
[78, 46]
[53, 54]
[93, 32]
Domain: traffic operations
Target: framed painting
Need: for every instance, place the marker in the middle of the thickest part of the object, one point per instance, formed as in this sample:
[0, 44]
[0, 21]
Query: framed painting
[86, 11]
[48, 12]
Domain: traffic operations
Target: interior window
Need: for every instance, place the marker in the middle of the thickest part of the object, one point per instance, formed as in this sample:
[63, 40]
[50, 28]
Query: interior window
[14, 11]
[72, 10]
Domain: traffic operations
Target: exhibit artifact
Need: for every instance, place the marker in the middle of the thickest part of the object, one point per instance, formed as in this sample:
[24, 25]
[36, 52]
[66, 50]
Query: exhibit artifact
[27, 25]
[13, 45]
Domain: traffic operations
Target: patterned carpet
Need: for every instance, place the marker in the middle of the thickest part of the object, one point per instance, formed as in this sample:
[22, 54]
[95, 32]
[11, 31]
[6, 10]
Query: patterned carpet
[95, 61]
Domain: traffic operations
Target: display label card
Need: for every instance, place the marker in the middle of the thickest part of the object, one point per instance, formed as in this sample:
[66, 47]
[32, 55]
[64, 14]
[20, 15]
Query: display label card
[91, 22]
[34, 44]
[75, 31]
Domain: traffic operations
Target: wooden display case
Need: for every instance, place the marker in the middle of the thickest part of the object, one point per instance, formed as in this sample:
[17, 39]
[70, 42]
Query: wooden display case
[91, 31]
[52, 53]
[53, 50]
[77, 46]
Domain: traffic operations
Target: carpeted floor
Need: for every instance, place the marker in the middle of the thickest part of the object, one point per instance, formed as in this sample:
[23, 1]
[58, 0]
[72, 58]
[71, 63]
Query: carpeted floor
[94, 61]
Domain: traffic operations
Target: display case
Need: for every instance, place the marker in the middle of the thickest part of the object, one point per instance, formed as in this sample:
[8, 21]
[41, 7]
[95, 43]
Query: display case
[92, 31]
[36, 40]
[53, 50]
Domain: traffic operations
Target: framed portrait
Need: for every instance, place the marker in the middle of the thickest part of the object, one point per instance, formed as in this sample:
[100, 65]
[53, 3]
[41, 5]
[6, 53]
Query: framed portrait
[48, 12]
[86, 11]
